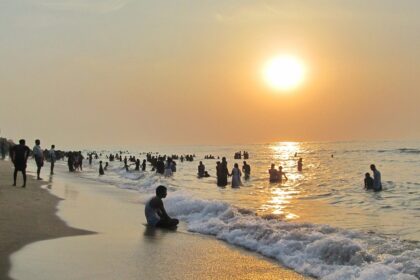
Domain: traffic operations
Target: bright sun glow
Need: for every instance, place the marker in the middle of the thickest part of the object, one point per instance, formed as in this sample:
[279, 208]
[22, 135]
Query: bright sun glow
[284, 72]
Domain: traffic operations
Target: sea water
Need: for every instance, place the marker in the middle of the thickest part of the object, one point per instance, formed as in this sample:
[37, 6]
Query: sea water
[320, 222]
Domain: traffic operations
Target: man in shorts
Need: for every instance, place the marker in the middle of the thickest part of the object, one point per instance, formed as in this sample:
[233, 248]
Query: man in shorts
[19, 155]
[39, 158]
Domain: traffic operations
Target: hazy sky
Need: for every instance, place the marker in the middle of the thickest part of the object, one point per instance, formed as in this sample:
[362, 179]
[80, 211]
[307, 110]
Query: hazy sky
[120, 72]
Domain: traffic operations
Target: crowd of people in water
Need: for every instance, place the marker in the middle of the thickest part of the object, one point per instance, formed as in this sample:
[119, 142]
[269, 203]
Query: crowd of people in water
[161, 164]
[155, 212]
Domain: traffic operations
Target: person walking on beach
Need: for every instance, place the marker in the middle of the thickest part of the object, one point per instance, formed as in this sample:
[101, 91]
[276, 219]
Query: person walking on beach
[246, 168]
[19, 155]
[53, 158]
[377, 184]
[236, 176]
[155, 212]
[39, 158]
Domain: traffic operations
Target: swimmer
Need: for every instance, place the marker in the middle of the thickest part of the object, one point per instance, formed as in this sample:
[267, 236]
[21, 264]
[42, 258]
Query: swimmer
[368, 182]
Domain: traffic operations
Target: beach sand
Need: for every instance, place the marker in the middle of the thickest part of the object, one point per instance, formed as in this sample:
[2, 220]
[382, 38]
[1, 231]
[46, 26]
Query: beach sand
[26, 215]
[123, 248]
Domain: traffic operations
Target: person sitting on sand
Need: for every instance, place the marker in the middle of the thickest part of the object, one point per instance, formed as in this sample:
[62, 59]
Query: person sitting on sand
[368, 182]
[19, 155]
[377, 184]
[101, 169]
[155, 211]
[274, 174]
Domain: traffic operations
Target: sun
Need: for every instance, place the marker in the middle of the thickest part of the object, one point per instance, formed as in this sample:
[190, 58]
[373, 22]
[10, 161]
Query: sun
[284, 72]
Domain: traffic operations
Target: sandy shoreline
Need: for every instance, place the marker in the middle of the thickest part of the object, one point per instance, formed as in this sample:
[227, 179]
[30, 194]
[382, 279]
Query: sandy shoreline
[26, 215]
[123, 248]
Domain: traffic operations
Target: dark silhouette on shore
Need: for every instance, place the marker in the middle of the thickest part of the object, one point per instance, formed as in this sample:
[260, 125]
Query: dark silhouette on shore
[19, 155]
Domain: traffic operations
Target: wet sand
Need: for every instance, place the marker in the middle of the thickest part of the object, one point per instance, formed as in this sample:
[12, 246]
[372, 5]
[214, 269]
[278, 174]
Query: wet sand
[125, 248]
[26, 215]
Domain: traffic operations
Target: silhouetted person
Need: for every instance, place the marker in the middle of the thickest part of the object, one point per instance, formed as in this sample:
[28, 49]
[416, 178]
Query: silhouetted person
[39, 158]
[300, 164]
[53, 158]
[281, 174]
[137, 165]
[368, 182]
[19, 155]
[246, 168]
[274, 174]
[155, 211]
[3, 148]
[218, 172]
[201, 170]
[143, 165]
[377, 184]
[106, 166]
[90, 159]
[160, 166]
[70, 161]
[236, 176]
[223, 173]
[101, 169]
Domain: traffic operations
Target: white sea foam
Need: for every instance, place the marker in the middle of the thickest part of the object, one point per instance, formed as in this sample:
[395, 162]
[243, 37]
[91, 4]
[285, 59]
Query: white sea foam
[323, 251]
[317, 250]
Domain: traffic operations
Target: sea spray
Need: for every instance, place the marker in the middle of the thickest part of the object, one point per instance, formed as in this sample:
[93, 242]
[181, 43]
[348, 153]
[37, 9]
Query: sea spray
[317, 250]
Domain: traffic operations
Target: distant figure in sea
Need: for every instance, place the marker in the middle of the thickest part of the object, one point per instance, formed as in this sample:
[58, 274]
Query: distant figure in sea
[201, 170]
[101, 169]
[223, 173]
[368, 182]
[19, 155]
[246, 168]
[236, 176]
[106, 166]
[299, 164]
[160, 166]
[90, 158]
[3, 148]
[274, 174]
[377, 184]
[137, 165]
[143, 165]
[168, 168]
[281, 174]
[39, 158]
[155, 211]
[53, 158]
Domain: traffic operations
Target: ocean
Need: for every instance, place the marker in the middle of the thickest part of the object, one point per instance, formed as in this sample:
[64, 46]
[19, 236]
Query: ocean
[320, 222]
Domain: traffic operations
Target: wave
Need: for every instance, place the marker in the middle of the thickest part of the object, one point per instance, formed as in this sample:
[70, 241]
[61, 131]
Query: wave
[321, 251]
[409, 151]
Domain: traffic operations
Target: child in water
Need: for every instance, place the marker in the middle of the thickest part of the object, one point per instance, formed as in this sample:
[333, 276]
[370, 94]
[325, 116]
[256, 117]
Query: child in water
[368, 182]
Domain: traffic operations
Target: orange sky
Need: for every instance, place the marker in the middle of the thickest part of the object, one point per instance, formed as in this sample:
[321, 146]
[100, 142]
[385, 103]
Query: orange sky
[119, 72]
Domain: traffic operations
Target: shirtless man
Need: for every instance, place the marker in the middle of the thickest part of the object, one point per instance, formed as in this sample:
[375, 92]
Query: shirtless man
[155, 211]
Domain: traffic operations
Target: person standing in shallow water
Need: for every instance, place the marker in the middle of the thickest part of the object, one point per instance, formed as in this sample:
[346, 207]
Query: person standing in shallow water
[236, 176]
[155, 212]
[39, 158]
[53, 158]
[19, 155]
[246, 168]
[223, 173]
[368, 182]
[101, 169]
[299, 164]
[377, 184]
